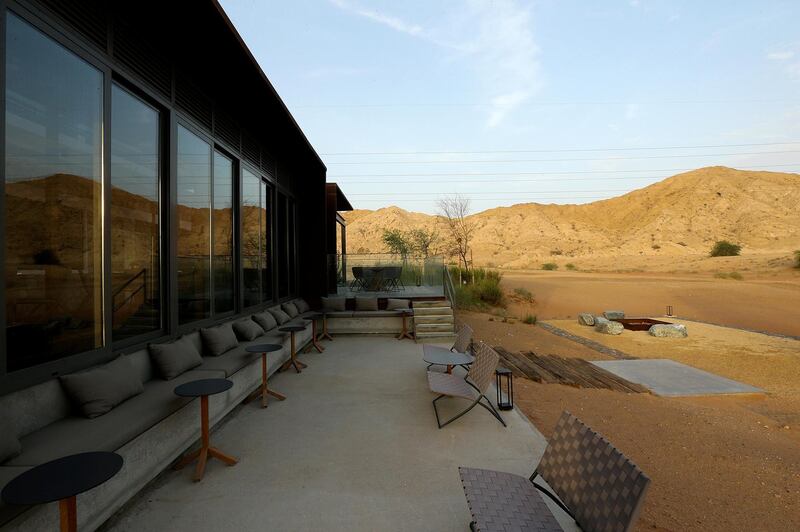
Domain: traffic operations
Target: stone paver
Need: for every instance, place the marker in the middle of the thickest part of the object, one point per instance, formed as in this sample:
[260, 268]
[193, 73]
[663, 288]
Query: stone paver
[673, 379]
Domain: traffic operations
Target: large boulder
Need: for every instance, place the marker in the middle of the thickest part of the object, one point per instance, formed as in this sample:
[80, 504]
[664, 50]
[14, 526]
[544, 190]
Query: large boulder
[605, 326]
[613, 314]
[668, 330]
[585, 318]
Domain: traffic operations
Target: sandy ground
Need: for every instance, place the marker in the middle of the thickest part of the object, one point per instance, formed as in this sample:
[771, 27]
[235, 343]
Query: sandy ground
[763, 301]
[717, 463]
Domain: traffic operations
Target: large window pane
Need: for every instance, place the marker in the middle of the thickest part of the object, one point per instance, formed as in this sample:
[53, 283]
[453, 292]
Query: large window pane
[53, 187]
[194, 227]
[266, 256]
[135, 241]
[251, 237]
[283, 246]
[223, 233]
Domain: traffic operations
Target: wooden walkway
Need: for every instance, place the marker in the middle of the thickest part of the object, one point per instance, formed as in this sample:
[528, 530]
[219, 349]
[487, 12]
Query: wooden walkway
[553, 369]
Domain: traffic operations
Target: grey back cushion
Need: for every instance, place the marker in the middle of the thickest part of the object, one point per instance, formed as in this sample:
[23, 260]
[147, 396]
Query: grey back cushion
[9, 445]
[301, 305]
[247, 329]
[290, 309]
[280, 316]
[397, 304]
[333, 303]
[218, 340]
[265, 320]
[366, 303]
[175, 358]
[97, 390]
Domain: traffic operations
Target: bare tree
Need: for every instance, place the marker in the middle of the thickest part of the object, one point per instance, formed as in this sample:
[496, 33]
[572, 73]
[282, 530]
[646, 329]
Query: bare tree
[455, 212]
[424, 241]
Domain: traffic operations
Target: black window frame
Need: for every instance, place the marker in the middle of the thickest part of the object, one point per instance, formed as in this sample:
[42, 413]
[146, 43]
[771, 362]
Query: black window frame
[263, 177]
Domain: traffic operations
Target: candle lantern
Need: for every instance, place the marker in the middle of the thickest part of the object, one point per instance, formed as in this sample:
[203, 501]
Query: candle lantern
[505, 388]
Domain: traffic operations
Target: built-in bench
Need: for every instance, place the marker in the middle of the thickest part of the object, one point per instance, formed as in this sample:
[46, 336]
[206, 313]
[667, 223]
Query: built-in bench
[149, 430]
[366, 315]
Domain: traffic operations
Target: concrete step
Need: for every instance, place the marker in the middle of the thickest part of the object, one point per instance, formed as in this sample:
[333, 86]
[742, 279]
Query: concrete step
[434, 338]
[434, 319]
[429, 304]
[433, 327]
[433, 311]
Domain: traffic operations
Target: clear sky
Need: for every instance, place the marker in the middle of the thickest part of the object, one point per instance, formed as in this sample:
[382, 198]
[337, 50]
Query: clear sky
[508, 101]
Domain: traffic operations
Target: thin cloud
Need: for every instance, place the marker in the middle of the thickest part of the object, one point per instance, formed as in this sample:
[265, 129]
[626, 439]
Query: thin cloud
[780, 56]
[393, 22]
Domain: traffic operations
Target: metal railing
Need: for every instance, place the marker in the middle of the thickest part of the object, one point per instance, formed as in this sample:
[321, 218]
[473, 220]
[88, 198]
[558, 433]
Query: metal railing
[408, 275]
[449, 288]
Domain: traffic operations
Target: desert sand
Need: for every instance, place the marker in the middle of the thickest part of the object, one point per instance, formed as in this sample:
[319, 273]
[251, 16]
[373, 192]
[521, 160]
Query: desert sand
[717, 463]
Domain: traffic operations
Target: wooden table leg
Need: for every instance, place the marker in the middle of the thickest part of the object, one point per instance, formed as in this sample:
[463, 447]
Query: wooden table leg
[68, 510]
[205, 451]
[449, 369]
[314, 340]
[405, 333]
[325, 334]
[298, 366]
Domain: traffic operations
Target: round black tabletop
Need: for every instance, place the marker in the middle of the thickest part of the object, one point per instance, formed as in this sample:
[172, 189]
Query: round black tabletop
[292, 328]
[62, 478]
[263, 348]
[441, 356]
[202, 387]
[317, 314]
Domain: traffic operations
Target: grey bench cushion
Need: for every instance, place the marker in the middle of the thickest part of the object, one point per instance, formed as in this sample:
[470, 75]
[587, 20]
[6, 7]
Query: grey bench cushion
[398, 304]
[265, 320]
[334, 303]
[219, 339]
[290, 309]
[301, 305]
[377, 314]
[97, 390]
[247, 329]
[230, 362]
[280, 316]
[173, 358]
[109, 432]
[366, 303]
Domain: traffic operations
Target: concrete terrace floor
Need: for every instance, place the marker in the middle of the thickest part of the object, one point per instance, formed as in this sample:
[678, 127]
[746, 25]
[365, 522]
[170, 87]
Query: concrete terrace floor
[354, 447]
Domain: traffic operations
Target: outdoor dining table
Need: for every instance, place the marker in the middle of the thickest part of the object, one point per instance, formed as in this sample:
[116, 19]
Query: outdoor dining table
[263, 391]
[441, 356]
[298, 366]
[62, 480]
[202, 388]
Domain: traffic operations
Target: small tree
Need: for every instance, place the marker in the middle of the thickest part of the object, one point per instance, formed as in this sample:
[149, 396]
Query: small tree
[797, 259]
[397, 242]
[455, 215]
[723, 248]
[423, 241]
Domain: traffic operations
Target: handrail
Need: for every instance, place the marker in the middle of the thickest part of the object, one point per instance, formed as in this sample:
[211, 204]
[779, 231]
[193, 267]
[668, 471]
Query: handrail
[143, 274]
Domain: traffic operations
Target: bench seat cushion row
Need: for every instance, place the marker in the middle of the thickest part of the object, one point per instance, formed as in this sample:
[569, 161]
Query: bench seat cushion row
[174, 358]
[97, 390]
[220, 339]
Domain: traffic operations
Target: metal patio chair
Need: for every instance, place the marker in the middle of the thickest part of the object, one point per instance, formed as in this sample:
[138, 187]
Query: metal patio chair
[358, 278]
[473, 387]
[594, 483]
[462, 344]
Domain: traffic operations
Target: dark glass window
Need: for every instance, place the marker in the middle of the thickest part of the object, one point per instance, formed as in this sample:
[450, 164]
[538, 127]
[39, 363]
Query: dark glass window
[223, 233]
[53, 188]
[251, 237]
[292, 214]
[135, 240]
[194, 227]
[266, 255]
[283, 246]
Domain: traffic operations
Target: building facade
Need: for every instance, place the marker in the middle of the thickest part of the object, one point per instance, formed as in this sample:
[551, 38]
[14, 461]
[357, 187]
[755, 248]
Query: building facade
[154, 182]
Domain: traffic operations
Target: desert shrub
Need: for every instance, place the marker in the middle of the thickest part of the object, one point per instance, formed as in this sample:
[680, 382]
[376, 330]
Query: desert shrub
[736, 276]
[529, 319]
[797, 259]
[556, 252]
[723, 248]
[483, 292]
[550, 266]
[682, 244]
[656, 247]
[489, 291]
[524, 293]
[474, 275]
[570, 266]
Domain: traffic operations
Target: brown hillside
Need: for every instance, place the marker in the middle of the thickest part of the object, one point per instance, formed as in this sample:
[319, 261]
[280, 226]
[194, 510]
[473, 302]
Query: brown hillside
[680, 216]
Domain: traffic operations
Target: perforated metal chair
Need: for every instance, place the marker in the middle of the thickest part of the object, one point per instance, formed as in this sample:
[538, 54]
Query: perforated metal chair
[594, 483]
[472, 387]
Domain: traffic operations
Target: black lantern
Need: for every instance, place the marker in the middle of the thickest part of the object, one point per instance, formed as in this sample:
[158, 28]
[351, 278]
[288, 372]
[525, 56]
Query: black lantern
[503, 375]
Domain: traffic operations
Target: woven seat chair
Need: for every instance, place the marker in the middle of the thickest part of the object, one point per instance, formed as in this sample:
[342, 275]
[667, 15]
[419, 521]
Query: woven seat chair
[591, 481]
[462, 344]
[472, 387]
